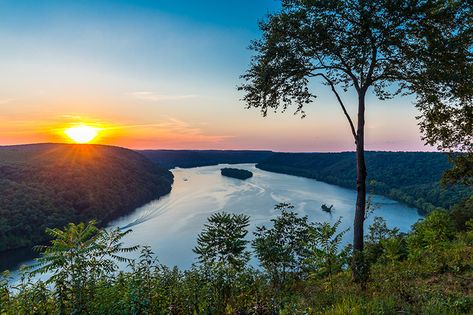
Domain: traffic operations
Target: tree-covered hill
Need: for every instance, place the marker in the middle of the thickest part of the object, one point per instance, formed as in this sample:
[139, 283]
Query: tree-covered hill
[409, 177]
[50, 185]
[194, 158]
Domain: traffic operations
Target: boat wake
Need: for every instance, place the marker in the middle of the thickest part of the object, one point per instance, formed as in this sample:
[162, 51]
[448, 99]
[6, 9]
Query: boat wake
[158, 207]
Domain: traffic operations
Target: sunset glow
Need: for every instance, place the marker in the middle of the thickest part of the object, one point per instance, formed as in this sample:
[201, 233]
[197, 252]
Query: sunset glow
[82, 133]
[164, 77]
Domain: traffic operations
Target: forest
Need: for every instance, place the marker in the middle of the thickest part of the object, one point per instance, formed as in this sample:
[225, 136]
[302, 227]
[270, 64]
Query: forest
[194, 158]
[50, 185]
[409, 177]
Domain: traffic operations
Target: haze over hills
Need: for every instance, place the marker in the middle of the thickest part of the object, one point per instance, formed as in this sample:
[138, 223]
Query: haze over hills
[50, 185]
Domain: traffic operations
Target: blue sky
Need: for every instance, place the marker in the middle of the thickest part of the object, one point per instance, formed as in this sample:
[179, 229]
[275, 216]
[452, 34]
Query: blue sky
[160, 74]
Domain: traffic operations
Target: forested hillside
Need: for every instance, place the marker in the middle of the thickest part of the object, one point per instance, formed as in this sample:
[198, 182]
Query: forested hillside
[409, 177]
[194, 158]
[50, 185]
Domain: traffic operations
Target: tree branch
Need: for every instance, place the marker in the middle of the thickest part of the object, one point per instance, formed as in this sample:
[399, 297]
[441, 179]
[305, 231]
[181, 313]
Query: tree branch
[348, 71]
[369, 76]
[352, 126]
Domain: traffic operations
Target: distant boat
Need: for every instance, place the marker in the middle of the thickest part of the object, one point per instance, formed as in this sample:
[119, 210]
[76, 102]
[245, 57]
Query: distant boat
[326, 208]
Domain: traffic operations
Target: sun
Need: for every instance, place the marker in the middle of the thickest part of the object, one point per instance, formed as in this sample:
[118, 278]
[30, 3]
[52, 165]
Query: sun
[82, 133]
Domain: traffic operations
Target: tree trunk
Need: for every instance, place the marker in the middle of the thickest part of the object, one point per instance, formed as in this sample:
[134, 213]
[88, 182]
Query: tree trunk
[360, 177]
[360, 268]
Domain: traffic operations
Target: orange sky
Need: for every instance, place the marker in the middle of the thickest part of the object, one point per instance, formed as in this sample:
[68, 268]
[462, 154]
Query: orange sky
[161, 76]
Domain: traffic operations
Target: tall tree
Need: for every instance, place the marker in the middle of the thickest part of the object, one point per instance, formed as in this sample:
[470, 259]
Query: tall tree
[388, 47]
[447, 117]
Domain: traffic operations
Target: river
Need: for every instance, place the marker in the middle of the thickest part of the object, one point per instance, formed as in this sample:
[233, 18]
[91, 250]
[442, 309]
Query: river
[171, 224]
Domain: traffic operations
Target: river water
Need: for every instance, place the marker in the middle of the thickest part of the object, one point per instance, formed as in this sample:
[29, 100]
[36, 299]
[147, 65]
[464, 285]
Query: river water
[170, 225]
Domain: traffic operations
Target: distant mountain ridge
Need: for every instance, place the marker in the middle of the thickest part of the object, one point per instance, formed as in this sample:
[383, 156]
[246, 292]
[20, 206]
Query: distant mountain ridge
[50, 185]
[194, 158]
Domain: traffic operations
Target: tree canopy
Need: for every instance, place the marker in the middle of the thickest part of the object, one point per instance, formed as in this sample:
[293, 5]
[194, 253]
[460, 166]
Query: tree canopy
[394, 46]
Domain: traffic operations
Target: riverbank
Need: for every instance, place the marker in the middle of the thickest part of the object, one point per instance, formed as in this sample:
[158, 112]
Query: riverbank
[408, 177]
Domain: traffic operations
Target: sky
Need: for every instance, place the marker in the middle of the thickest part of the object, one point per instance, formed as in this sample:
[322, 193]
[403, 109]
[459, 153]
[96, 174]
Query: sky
[162, 75]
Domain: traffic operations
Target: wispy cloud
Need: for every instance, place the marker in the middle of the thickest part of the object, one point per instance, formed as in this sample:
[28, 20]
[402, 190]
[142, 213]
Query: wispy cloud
[71, 117]
[155, 97]
[169, 132]
[7, 100]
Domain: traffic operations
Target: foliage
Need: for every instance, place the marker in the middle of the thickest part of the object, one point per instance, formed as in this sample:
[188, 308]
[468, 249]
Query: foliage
[436, 280]
[390, 46]
[434, 230]
[79, 259]
[383, 242]
[221, 251]
[462, 212]
[378, 231]
[281, 248]
[81, 247]
[49, 185]
[223, 241]
[410, 177]
[446, 101]
[324, 258]
[462, 170]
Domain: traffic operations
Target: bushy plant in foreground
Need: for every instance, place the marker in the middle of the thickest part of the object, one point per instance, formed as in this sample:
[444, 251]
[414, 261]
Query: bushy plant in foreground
[428, 271]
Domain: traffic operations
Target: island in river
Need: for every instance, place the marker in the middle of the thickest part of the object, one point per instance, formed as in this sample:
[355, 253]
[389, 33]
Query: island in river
[236, 173]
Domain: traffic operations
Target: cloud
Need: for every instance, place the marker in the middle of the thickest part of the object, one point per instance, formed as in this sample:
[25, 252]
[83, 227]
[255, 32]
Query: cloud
[7, 100]
[71, 117]
[154, 97]
[169, 133]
